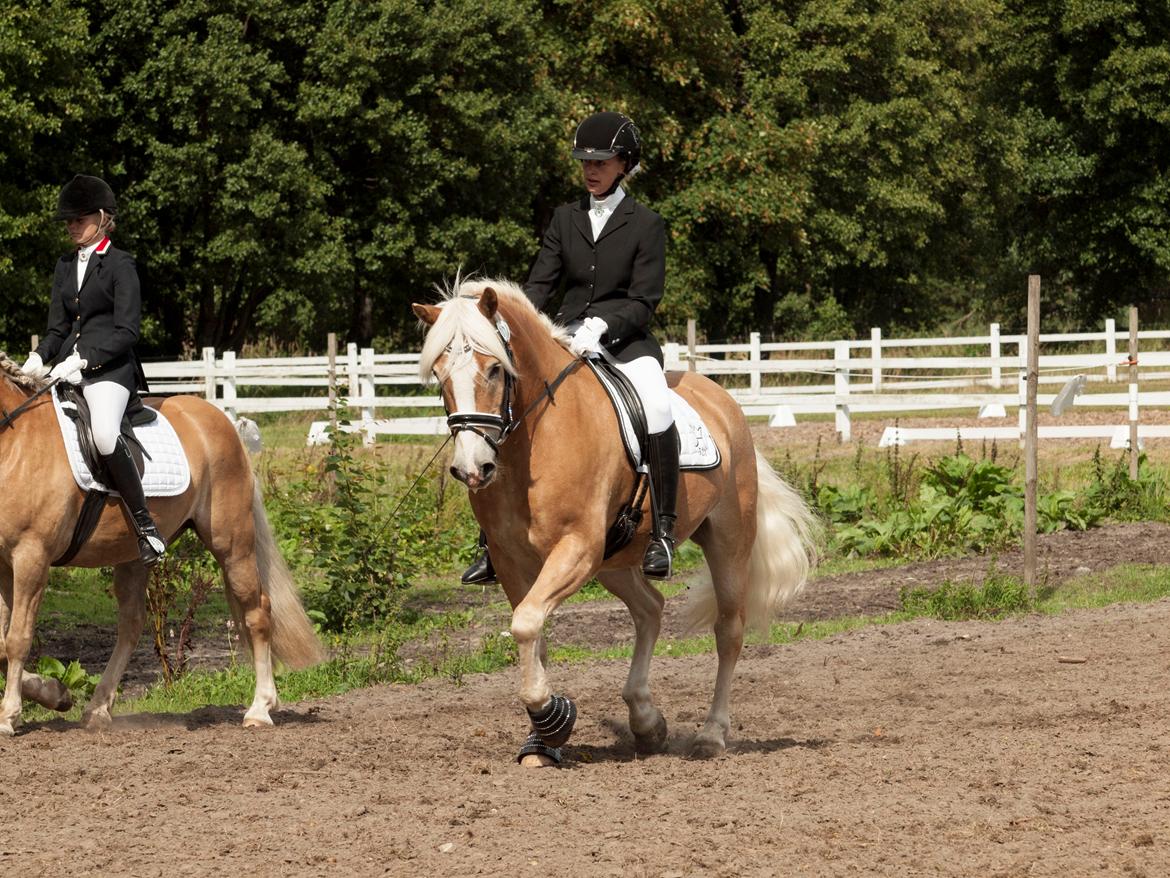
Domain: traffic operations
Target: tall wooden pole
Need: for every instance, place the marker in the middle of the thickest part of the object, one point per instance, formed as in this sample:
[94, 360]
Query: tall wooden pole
[1031, 431]
[691, 343]
[1133, 393]
[331, 350]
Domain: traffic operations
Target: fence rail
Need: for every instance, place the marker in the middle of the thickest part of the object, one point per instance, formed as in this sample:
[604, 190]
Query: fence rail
[779, 380]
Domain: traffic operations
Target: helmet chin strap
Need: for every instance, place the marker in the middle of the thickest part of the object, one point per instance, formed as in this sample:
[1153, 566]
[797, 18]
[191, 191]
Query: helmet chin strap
[612, 189]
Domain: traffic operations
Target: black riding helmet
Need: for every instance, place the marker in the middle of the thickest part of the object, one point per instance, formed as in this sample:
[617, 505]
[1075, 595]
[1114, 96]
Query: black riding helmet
[604, 135]
[84, 195]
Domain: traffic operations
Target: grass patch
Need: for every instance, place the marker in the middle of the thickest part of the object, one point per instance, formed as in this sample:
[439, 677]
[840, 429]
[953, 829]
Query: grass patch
[374, 659]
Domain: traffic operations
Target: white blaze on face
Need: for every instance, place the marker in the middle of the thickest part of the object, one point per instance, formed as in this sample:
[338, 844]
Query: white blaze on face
[471, 451]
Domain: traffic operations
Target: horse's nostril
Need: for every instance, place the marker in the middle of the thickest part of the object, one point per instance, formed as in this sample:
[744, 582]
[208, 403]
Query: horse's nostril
[456, 474]
[488, 470]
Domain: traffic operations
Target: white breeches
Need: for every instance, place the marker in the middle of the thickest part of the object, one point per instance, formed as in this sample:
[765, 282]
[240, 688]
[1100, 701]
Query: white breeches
[650, 382]
[107, 404]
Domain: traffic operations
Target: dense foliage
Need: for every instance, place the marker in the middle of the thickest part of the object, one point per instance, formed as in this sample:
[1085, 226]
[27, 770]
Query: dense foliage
[288, 168]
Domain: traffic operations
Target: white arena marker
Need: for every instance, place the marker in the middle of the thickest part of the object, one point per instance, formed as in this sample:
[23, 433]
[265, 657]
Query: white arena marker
[993, 410]
[1068, 393]
[782, 417]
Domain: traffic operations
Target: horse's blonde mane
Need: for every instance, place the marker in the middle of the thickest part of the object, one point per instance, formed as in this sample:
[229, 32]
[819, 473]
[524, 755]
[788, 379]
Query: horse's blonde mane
[10, 369]
[461, 322]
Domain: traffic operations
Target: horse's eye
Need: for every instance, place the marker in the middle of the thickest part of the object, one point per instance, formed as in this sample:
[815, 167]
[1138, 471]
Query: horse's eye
[494, 372]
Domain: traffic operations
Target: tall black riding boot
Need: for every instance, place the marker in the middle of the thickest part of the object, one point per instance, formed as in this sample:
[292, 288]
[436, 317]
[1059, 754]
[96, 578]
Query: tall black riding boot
[125, 478]
[663, 459]
[481, 569]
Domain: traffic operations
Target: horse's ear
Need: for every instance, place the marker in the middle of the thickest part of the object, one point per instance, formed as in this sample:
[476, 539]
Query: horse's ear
[488, 303]
[428, 314]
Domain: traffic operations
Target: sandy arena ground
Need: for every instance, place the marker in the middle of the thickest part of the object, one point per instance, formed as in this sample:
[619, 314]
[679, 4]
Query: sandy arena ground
[1034, 746]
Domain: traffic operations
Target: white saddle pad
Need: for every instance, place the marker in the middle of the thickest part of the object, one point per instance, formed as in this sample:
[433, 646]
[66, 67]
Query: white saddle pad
[167, 471]
[697, 450]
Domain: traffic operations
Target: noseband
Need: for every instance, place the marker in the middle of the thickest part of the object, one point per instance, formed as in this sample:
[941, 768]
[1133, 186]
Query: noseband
[480, 423]
[504, 422]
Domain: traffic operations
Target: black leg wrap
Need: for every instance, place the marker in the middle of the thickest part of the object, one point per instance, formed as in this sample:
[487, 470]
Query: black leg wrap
[534, 744]
[554, 722]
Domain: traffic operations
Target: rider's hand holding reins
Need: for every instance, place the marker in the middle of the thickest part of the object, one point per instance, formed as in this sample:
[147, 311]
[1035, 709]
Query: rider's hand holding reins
[587, 339]
[70, 368]
[34, 366]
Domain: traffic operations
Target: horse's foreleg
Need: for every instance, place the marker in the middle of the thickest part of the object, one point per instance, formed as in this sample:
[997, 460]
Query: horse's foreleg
[567, 568]
[29, 572]
[45, 691]
[645, 604]
[130, 591]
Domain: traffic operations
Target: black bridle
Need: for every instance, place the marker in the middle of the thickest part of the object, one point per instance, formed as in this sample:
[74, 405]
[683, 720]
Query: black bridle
[504, 423]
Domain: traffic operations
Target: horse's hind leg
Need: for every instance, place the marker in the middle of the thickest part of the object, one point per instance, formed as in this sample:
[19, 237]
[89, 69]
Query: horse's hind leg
[130, 591]
[253, 611]
[728, 562]
[645, 604]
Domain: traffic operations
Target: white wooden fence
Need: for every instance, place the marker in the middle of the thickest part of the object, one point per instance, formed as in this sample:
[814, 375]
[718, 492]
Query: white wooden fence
[779, 380]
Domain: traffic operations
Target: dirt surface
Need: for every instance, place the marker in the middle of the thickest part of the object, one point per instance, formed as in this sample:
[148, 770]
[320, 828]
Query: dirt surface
[1032, 746]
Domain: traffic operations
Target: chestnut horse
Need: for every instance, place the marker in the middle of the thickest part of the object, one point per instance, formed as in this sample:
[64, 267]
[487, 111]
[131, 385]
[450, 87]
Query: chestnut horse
[222, 505]
[547, 475]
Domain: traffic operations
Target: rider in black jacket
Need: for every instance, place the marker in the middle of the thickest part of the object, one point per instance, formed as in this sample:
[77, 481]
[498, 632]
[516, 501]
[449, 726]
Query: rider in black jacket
[609, 254]
[94, 317]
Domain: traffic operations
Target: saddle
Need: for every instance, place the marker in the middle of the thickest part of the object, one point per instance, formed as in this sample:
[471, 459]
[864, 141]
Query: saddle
[697, 451]
[73, 404]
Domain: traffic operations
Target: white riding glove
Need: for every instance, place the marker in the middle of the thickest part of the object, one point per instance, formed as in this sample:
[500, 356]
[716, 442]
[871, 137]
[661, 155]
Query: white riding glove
[34, 366]
[587, 338]
[70, 368]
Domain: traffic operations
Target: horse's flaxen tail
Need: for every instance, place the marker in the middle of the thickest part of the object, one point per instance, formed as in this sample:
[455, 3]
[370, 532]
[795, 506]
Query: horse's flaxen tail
[783, 555]
[293, 640]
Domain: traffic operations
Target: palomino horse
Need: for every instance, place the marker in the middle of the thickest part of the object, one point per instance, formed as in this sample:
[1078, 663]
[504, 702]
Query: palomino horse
[222, 505]
[537, 443]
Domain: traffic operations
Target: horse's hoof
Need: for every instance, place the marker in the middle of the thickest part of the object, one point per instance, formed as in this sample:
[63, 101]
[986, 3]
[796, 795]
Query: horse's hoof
[257, 722]
[535, 753]
[653, 741]
[97, 720]
[553, 723]
[537, 760]
[707, 748]
[8, 728]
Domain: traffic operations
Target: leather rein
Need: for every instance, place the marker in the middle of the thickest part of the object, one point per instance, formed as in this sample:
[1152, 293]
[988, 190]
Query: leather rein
[505, 422]
[10, 416]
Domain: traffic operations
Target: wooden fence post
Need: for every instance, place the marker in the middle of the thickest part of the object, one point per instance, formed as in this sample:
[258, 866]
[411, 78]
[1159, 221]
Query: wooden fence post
[996, 369]
[331, 349]
[209, 374]
[1032, 433]
[367, 391]
[351, 371]
[841, 389]
[229, 384]
[875, 353]
[1111, 348]
[754, 355]
[691, 364]
[1133, 393]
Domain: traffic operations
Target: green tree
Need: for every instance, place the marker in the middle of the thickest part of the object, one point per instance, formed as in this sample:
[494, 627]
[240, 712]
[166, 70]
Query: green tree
[47, 95]
[1087, 84]
[431, 125]
[227, 221]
